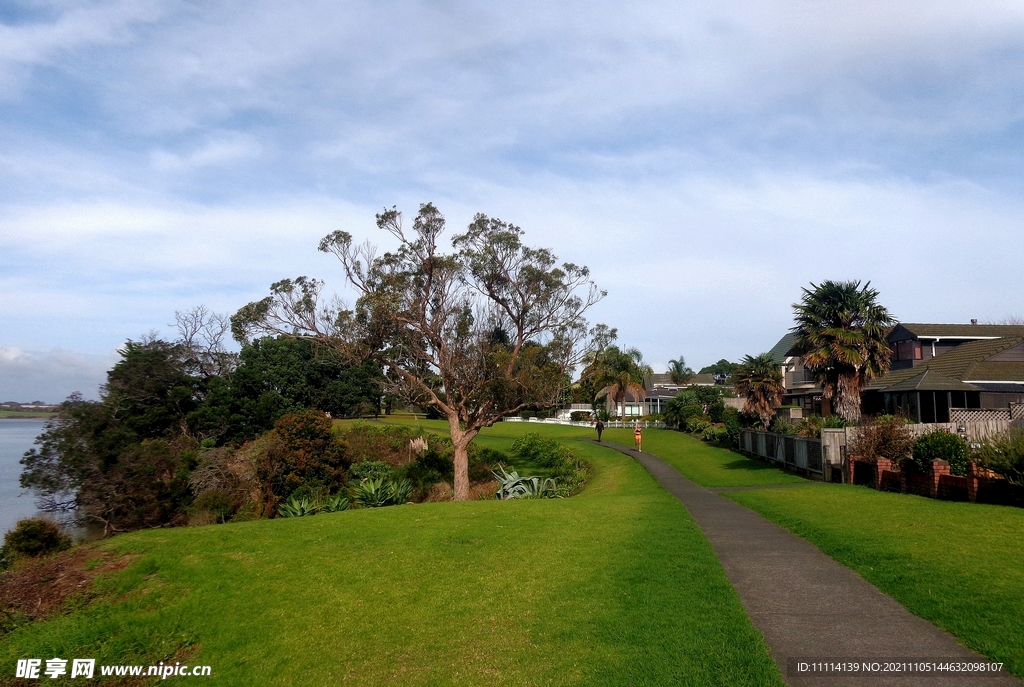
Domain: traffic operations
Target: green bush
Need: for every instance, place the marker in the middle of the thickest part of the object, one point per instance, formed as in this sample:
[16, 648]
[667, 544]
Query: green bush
[376, 493]
[1004, 454]
[812, 425]
[696, 425]
[940, 445]
[782, 426]
[547, 453]
[303, 452]
[370, 469]
[579, 416]
[34, 537]
[570, 470]
[512, 486]
[217, 501]
[732, 422]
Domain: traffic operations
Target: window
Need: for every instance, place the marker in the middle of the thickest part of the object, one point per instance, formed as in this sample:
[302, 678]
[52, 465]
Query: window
[908, 350]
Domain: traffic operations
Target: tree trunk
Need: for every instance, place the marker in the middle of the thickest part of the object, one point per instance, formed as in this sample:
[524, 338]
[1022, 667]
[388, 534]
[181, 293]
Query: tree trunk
[461, 440]
[846, 403]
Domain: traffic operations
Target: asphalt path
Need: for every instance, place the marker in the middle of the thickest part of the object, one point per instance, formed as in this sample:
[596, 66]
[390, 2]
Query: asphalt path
[812, 610]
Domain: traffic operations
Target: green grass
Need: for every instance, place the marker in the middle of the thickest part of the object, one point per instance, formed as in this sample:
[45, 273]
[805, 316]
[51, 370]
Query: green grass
[616, 586]
[26, 414]
[708, 466]
[958, 565]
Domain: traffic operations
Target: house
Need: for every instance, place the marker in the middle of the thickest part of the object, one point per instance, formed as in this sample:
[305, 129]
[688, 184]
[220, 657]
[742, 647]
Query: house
[941, 371]
[659, 389]
[801, 389]
[936, 370]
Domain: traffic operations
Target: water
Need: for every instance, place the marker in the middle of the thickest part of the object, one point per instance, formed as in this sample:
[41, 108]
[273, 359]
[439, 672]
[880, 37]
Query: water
[16, 437]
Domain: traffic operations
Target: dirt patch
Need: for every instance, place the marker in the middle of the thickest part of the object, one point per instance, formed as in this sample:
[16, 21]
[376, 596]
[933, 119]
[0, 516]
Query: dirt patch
[34, 590]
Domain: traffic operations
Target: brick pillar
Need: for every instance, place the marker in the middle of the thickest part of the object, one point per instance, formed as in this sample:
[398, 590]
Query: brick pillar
[881, 464]
[972, 481]
[939, 468]
[851, 465]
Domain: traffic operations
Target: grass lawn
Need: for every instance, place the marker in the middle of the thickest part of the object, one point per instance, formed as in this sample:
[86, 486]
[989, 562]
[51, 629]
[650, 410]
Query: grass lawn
[959, 565]
[708, 466]
[616, 586]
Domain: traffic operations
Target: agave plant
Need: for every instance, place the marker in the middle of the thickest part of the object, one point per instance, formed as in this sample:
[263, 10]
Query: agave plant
[400, 491]
[513, 486]
[336, 503]
[298, 508]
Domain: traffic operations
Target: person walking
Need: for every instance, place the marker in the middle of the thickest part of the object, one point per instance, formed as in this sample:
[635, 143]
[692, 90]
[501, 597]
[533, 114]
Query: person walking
[600, 428]
[638, 438]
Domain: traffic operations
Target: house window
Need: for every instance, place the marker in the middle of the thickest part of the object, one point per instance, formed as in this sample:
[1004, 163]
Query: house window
[908, 350]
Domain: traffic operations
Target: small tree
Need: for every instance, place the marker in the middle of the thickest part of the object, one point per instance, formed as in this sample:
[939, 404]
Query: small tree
[478, 334]
[759, 379]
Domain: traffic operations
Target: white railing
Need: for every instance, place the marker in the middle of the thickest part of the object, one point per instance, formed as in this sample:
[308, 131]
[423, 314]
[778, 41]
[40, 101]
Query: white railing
[611, 424]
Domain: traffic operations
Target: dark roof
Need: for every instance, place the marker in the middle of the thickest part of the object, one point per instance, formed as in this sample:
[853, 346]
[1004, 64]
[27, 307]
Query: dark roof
[967, 363]
[931, 331]
[782, 350]
[1002, 388]
[705, 379]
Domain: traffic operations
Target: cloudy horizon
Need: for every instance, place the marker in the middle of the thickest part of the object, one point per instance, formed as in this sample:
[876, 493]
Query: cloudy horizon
[706, 161]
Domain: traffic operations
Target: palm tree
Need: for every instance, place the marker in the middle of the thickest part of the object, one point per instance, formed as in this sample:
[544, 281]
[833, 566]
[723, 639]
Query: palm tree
[840, 332]
[620, 372]
[678, 372]
[760, 380]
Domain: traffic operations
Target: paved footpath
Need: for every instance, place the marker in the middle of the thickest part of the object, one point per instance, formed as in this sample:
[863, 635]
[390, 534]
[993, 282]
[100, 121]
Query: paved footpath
[808, 606]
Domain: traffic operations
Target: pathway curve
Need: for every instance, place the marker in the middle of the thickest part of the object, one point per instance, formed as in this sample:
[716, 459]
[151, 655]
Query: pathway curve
[808, 606]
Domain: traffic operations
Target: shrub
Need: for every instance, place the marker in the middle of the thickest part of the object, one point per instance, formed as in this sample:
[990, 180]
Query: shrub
[547, 453]
[296, 507]
[570, 470]
[370, 469]
[217, 502]
[732, 422]
[302, 452]
[1004, 454]
[811, 426]
[941, 445]
[716, 434]
[579, 416]
[512, 486]
[781, 426]
[376, 493]
[696, 425]
[34, 537]
[886, 437]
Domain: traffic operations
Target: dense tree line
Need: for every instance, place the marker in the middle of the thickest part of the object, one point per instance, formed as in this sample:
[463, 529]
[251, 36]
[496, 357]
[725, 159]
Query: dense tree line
[126, 460]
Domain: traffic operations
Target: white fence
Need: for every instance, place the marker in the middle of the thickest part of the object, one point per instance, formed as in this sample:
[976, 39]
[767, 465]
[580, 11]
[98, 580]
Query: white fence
[611, 424]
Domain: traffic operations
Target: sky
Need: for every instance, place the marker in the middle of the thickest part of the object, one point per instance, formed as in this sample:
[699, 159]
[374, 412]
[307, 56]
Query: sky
[706, 160]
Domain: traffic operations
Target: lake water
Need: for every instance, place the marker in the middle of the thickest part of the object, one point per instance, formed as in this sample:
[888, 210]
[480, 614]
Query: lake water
[16, 437]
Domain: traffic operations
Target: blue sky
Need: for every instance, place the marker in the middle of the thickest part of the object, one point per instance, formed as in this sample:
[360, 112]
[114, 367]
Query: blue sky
[705, 159]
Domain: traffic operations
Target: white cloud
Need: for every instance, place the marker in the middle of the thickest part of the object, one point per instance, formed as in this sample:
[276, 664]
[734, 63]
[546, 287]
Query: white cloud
[219, 150]
[51, 376]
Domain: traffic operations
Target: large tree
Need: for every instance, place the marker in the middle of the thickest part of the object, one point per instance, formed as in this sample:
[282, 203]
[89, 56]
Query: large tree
[479, 333]
[840, 332]
[759, 379]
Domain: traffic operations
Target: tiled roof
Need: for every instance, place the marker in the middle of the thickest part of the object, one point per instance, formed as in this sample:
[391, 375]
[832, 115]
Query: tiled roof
[964, 364]
[781, 350]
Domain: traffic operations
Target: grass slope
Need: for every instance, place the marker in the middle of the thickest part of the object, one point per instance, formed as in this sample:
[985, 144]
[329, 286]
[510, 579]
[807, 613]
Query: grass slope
[615, 586]
[708, 466]
[958, 565]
